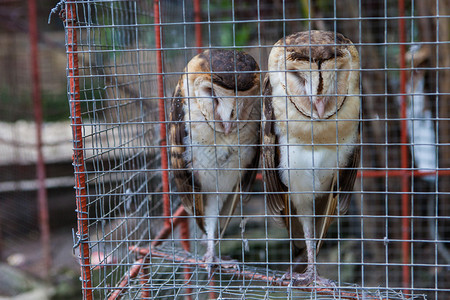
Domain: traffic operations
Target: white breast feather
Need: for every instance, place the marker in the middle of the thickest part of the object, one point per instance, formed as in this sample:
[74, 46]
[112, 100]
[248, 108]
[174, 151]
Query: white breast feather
[216, 167]
[305, 169]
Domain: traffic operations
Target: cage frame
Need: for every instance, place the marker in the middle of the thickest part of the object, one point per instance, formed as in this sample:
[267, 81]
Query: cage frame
[172, 221]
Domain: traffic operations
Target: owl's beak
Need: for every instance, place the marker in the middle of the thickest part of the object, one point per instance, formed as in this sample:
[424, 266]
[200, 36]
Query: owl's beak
[319, 104]
[223, 113]
[227, 127]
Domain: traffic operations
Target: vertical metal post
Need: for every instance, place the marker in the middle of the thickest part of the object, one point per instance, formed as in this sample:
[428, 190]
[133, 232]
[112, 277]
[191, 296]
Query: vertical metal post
[38, 119]
[78, 156]
[404, 151]
[184, 232]
[162, 115]
[199, 45]
[144, 278]
[198, 26]
[162, 118]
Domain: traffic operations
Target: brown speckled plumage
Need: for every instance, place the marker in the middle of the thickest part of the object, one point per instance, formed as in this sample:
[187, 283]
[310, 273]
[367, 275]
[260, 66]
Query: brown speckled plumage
[308, 45]
[240, 65]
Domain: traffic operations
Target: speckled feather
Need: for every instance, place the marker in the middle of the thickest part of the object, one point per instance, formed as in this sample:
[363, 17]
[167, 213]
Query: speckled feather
[230, 69]
[182, 175]
[307, 45]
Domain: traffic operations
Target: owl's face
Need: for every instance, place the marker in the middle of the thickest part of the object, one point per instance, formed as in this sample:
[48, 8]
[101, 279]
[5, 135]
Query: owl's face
[223, 85]
[223, 105]
[316, 79]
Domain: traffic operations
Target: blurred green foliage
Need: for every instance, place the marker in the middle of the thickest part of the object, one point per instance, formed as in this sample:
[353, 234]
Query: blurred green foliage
[18, 105]
[230, 34]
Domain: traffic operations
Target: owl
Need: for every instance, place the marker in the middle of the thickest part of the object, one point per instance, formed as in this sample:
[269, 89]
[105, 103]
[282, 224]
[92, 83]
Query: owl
[215, 120]
[310, 151]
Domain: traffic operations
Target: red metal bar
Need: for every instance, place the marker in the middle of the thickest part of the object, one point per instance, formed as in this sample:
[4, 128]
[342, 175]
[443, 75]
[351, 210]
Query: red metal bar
[212, 295]
[162, 114]
[78, 158]
[185, 243]
[173, 223]
[184, 232]
[198, 26]
[37, 109]
[392, 173]
[175, 220]
[406, 271]
[185, 227]
[145, 276]
[134, 271]
[187, 269]
[402, 173]
[162, 119]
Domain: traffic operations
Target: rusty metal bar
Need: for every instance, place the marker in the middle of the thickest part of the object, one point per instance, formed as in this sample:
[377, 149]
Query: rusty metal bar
[401, 173]
[212, 295]
[198, 26]
[145, 276]
[38, 118]
[406, 269]
[162, 113]
[134, 271]
[185, 243]
[78, 156]
[184, 232]
[392, 173]
[173, 223]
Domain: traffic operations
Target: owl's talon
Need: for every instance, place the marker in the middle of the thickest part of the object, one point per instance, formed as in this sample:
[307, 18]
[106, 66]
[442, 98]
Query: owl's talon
[210, 269]
[230, 264]
[286, 276]
[210, 261]
[308, 278]
[213, 262]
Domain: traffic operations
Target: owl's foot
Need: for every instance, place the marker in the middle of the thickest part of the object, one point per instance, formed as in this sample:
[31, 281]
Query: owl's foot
[308, 278]
[228, 263]
[212, 262]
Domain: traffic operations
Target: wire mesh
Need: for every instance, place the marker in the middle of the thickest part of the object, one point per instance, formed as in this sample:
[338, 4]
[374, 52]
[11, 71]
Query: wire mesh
[392, 241]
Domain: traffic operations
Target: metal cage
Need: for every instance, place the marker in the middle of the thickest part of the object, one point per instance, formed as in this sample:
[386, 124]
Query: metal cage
[134, 238]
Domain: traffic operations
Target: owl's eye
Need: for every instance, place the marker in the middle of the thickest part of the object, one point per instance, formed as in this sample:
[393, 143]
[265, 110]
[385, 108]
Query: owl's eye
[216, 102]
[297, 75]
[209, 92]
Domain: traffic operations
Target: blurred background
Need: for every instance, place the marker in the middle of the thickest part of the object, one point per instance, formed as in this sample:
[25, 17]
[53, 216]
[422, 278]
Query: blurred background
[371, 25]
[22, 265]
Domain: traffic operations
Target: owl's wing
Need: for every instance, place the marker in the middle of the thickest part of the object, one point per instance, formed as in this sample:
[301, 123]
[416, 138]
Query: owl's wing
[185, 182]
[347, 177]
[244, 186]
[276, 197]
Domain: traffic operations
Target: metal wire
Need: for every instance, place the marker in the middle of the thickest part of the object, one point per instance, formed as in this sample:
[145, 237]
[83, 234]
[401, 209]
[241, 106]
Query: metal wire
[390, 244]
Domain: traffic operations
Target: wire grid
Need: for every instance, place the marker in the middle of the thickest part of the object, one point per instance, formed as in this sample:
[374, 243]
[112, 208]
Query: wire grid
[117, 49]
[165, 269]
